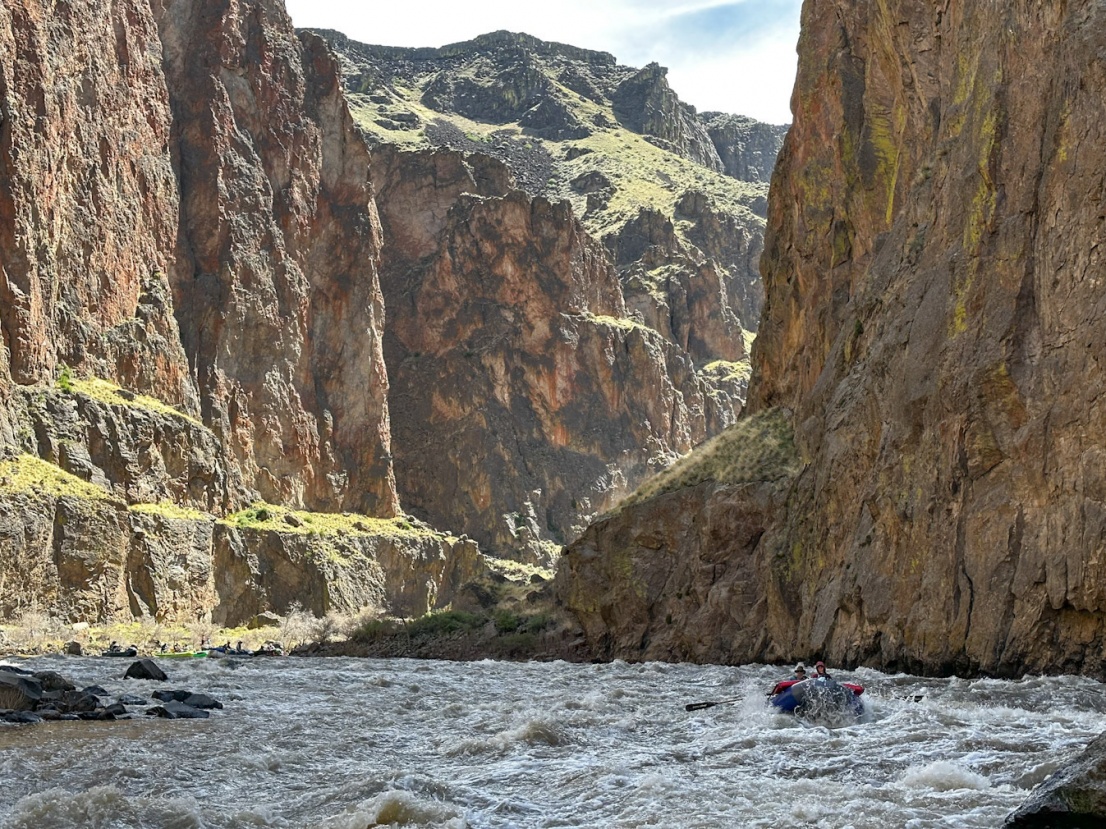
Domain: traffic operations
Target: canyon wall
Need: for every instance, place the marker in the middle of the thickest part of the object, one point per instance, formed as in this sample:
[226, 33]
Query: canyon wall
[191, 322]
[932, 327]
[524, 400]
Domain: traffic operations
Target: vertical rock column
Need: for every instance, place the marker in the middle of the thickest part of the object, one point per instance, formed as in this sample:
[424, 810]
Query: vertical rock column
[276, 281]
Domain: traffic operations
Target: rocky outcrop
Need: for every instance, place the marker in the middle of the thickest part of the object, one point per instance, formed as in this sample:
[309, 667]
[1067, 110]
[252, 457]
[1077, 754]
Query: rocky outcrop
[405, 574]
[76, 552]
[524, 401]
[675, 290]
[676, 571]
[281, 314]
[1072, 796]
[646, 104]
[746, 147]
[931, 321]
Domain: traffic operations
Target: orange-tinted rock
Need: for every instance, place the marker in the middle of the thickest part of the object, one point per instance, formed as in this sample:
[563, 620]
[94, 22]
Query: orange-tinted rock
[933, 320]
[523, 401]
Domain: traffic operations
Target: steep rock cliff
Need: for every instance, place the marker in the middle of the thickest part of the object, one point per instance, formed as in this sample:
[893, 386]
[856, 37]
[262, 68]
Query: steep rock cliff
[524, 401]
[574, 124]
[933, 321]
[190, 318]
[88, 198]
[281, 314]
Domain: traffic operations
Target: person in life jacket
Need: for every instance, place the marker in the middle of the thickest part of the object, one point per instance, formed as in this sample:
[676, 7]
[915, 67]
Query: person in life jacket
[820, 669]
[800, 672]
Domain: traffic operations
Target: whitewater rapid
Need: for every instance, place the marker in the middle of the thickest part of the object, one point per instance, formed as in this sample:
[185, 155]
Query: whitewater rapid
[349, 743]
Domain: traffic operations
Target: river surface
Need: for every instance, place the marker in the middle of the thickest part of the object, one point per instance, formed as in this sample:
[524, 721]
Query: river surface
[353, 743]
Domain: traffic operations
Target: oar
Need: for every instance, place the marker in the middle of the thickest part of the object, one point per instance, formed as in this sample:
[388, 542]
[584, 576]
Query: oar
[699, 706]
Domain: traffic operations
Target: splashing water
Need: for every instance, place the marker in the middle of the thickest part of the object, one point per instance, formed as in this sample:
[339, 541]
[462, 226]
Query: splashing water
[347, 744]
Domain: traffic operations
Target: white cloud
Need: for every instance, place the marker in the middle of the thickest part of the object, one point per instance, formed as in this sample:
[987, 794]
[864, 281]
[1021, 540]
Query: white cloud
[746, 66]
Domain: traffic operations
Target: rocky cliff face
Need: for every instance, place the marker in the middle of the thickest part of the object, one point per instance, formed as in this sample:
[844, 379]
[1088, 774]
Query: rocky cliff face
[931, 321]
[524, 401]
[615, 141]
[281, 314]
[190, 313]
[89, 202]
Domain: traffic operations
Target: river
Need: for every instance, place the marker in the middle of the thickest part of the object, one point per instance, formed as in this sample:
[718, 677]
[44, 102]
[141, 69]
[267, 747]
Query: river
[351, 743]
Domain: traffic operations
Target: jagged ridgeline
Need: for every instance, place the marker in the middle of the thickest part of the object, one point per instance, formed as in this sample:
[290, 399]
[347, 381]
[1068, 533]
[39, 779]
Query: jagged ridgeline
[678, 198]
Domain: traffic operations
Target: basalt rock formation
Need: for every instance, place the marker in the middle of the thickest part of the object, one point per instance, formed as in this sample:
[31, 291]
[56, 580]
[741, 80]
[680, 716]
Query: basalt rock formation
[932, 328]
[195, 412]
[615, 141]
[524, 400]
[191, 319]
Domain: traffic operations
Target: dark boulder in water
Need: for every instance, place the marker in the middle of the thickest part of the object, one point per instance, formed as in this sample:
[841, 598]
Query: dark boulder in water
[173, 710]
[145, 669]
[20, 717]
[1071, 797]
[188, 698]
[53, 681]
[18, 692]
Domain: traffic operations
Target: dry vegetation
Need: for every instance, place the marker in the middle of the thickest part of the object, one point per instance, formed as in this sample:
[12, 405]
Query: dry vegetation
[757, 448]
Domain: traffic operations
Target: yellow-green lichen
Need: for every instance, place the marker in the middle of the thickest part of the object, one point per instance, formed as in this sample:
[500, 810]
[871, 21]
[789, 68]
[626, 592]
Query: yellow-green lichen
[28, 474]
[272, 518]
[167, 509]
[112, 394]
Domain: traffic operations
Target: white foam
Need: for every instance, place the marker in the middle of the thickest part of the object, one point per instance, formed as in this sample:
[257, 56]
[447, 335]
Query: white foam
[944, 776]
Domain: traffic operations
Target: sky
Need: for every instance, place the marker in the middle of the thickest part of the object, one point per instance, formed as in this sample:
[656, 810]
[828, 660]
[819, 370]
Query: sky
[728, 55]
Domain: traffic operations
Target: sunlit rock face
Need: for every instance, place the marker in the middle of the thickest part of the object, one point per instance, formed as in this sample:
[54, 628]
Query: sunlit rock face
[933, 320]
[275, 279]
[89, 199]
[190, 317]
[523, 399]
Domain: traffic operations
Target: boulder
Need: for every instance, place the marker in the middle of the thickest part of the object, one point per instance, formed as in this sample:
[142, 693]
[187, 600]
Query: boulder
[1072, 796]
[73, 648]
[264, 620]
[145, 669]
[53, 681]
[188, 698]
[20, 717]
[77, 702]
[18, 693]
[173, 710]
[202, 701]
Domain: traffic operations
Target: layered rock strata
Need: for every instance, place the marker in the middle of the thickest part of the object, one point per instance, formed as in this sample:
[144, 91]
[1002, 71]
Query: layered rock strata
[932, 320]
[76, 552]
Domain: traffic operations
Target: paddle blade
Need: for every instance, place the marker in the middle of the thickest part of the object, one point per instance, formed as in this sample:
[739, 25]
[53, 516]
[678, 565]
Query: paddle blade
[698, 706]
